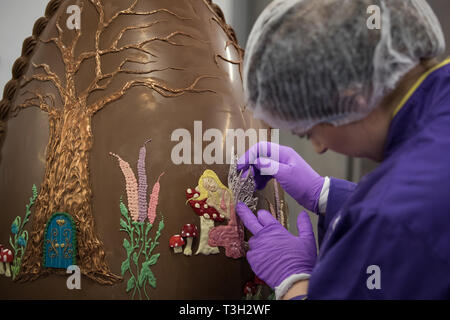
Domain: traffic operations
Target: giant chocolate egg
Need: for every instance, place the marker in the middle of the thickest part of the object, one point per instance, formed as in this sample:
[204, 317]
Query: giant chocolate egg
[99, 102]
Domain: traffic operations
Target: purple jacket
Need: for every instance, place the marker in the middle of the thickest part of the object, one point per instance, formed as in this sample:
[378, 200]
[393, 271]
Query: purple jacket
[398, 217]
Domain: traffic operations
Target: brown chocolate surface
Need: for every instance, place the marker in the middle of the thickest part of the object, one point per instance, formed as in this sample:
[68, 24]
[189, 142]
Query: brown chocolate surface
[188, 70]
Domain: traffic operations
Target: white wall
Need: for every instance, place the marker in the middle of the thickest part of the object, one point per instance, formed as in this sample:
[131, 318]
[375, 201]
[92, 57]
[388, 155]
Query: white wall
[236, 14]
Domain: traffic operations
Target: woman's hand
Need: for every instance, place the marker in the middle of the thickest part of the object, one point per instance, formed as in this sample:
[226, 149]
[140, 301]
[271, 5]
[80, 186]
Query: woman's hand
[275, 254]
[269, 160]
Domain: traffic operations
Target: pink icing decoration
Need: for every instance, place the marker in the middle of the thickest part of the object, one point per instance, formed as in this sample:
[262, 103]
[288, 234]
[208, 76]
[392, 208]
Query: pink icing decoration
[131, 187]
[231, 237]
[154, 201]
[223, 205]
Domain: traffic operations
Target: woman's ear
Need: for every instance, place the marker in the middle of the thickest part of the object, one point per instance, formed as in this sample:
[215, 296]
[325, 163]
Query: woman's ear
[317, 137]
[319, 147]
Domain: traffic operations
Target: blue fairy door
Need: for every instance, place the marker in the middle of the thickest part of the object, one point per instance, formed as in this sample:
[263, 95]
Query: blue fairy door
[60, 243]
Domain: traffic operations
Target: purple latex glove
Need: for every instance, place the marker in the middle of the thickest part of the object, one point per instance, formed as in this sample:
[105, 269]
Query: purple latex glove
[275, 253]
[269, 160]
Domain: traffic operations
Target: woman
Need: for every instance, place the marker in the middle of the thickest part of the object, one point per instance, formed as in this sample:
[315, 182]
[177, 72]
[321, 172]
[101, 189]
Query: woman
[316, 68]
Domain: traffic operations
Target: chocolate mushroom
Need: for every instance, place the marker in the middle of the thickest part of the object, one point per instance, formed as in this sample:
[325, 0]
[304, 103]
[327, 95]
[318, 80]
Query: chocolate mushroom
[259, 285]
[249, 290]
[201, 208]
[208, 215]
[6, 258]
[176, 242]
[189, 232]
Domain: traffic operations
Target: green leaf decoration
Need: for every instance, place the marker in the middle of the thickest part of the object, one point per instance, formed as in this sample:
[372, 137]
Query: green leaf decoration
[147, 229]
[135, 258]
[14, 269]
[25, 235]
[142, 278]
[125, 266]
[124, 225]
[154, 259]
[148, 274]
[127, 246]
[124, 210]
[131, 284]
[11, 242]
[17, 221]
[35, 192]
[138, 231]
[161, 226]
[151, 279]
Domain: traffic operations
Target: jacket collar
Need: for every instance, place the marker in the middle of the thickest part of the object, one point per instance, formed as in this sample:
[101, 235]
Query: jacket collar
[409, 116]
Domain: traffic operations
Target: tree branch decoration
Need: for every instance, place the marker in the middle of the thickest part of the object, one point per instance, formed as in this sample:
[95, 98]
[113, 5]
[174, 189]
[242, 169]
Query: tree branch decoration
[66, 183]
[139, 246]
[19, 242]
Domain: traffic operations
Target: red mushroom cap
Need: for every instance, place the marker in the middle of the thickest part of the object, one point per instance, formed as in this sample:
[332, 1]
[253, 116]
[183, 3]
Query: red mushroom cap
[176, 241]
[250, 288]
[189, 231]
[6, 255]
[201, 208]
[191, 193]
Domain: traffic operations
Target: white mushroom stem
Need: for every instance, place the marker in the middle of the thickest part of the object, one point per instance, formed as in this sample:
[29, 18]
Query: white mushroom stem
[187, 249]
[2, 268]
[8, 270]
[203, 247]
[177, 249]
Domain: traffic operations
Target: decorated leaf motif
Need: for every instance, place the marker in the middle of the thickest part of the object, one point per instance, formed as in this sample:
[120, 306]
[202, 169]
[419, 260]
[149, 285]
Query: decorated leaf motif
[135, 258]
[151, 279]
[131, 284]
[124, 210]
[153, 259]
[125, 266]
[127, 246]
[123, 224]
[147, 229]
